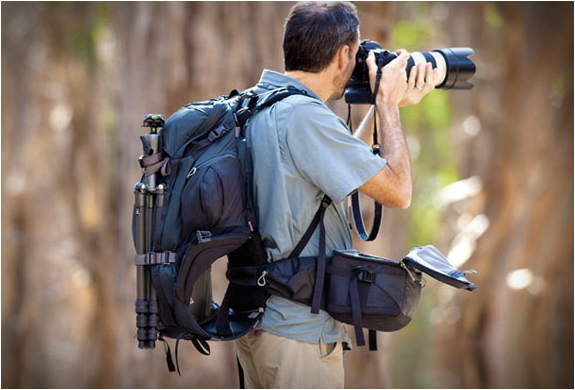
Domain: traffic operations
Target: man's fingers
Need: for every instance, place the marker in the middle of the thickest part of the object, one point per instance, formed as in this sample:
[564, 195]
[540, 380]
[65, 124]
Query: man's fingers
[371, 59]
[429, 77]
[412, 77]
[402, 58]
[420, 83]
[400, 52]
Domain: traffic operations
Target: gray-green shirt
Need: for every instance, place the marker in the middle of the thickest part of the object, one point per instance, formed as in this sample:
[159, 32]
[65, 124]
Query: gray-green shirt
[301, 150]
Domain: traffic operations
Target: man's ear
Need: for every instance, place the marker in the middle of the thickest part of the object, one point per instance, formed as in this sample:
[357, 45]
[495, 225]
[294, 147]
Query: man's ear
[342, 56]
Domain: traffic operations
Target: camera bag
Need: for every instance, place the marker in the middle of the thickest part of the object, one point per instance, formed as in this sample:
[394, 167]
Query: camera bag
[193, 206]
[380, 294]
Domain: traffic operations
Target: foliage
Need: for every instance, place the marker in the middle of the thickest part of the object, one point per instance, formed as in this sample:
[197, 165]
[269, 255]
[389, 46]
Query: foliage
[427, 127]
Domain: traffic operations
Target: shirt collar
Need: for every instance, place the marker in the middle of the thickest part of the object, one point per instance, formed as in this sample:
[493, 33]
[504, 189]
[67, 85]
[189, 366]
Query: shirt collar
[271, 79]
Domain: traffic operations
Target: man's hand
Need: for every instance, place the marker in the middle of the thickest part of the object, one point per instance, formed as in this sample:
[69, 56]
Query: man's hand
[391, 186]
[393, 83]
[422, 80]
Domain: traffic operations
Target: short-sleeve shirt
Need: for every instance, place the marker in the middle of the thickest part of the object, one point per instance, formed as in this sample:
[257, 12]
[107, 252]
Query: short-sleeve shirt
[302, 151]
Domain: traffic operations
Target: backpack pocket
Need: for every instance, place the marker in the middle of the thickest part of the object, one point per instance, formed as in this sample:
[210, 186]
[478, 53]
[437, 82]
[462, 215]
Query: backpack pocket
[213, 195]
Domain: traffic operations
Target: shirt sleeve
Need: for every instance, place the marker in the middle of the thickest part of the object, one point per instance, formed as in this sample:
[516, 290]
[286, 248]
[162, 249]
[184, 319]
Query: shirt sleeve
[326, 153]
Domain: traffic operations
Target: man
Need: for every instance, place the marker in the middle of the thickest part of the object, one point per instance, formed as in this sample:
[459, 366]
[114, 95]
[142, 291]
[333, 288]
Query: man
[301, 150]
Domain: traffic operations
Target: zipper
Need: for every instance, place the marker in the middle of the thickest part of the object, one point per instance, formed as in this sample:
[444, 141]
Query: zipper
[194, 169]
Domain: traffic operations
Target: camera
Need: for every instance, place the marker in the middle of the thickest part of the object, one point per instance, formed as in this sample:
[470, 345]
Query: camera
[454, 66]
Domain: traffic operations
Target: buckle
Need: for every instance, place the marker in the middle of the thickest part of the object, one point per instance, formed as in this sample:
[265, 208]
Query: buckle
[203, 236]
[242, 115]
[365, 276]
[217, 133]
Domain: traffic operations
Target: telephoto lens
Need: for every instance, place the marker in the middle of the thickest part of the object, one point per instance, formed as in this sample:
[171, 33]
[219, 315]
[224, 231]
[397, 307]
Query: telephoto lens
[453, 63]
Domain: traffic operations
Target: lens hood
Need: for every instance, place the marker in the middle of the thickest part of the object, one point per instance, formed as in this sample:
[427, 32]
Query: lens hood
[459, 67]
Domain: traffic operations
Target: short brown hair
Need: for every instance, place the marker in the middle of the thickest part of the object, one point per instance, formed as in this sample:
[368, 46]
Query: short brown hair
[314, 31]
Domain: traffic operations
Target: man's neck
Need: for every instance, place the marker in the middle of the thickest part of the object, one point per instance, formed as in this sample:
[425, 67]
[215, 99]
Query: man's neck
[321, 83]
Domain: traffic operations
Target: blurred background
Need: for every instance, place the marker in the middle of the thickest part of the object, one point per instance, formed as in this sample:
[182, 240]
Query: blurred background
[493, 186]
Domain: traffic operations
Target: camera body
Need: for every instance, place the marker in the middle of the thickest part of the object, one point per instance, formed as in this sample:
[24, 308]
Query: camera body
[454, 66]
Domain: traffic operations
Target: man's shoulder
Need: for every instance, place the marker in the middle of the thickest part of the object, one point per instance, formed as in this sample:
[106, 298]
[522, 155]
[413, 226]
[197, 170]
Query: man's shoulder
[298, 105]
[300, 102]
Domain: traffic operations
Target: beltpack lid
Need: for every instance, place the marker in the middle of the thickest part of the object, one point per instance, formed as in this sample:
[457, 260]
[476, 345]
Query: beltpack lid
[431, 261]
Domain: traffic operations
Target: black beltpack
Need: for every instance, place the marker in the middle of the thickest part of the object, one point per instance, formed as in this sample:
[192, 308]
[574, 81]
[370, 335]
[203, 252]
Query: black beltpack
[359, 289]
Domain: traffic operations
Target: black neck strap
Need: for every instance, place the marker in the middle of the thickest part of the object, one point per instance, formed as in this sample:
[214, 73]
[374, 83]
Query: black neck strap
[375, 148]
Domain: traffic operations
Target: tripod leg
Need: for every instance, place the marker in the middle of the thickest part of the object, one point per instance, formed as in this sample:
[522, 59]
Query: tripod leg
[141, 291]
[153, 303]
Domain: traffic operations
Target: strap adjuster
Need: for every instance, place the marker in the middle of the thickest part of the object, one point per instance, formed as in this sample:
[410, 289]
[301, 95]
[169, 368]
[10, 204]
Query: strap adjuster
[217, 133]
[326, 201]
[365, 275]
[153, 258]
[203, 236]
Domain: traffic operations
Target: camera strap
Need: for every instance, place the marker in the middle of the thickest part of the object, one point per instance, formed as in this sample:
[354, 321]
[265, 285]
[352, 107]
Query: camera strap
[379, 60]
[355, 203]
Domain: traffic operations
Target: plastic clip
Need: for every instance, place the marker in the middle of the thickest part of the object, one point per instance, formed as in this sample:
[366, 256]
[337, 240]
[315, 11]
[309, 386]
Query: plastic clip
[365, 276]
[203, 236]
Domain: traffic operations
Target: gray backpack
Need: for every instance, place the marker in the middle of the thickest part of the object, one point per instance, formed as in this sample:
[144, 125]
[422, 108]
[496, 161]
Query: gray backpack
[193, 206]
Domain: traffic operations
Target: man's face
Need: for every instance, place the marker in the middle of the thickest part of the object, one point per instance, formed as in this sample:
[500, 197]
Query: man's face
[342, 79]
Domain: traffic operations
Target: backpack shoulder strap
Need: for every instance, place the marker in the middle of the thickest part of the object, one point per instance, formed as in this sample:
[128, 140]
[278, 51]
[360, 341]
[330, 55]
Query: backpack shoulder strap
[274, 96]
[257, 102]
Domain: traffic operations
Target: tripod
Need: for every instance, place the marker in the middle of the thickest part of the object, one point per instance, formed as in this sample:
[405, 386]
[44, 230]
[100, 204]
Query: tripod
[149, 198]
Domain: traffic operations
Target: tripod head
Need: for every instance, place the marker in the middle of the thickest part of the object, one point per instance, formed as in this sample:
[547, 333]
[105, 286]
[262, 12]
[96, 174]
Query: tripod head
[154, 121]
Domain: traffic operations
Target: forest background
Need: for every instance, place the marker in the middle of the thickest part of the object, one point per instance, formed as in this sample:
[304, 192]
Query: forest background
[493, 186]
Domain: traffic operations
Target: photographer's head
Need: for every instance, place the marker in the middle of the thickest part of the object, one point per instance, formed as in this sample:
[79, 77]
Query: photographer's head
[322, 37]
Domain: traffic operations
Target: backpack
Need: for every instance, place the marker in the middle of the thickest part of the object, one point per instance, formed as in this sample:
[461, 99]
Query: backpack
[193, 206]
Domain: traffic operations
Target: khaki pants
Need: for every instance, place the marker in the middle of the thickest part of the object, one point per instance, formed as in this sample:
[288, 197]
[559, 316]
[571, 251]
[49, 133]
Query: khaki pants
[272, 362]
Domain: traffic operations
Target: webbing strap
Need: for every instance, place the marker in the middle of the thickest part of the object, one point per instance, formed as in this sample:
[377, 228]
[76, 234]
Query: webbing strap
[169, 361]
[377, 78]
[372, 340]
[223, 319]
[201, 345]
[326, 201]
[153, 258]
[241, 374]
[355, 204]
[153, 163]
[356, 208]
[321, 258]
[320, 268]
[358, 218]
[356, 311]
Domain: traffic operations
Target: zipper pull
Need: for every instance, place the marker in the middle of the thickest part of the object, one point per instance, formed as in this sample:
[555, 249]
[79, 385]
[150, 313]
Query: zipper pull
[262, 279]
[191, 172]
[406, 268]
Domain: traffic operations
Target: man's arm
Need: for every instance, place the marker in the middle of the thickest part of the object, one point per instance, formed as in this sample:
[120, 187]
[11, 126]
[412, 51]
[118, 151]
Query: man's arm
[392, 185]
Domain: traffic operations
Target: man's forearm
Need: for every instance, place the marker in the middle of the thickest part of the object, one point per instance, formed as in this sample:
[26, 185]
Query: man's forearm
[365, 130]
[393, 144]
[392, 185]
[391, 138]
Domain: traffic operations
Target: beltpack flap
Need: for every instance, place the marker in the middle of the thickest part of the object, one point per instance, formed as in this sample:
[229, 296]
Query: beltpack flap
[431, 261]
